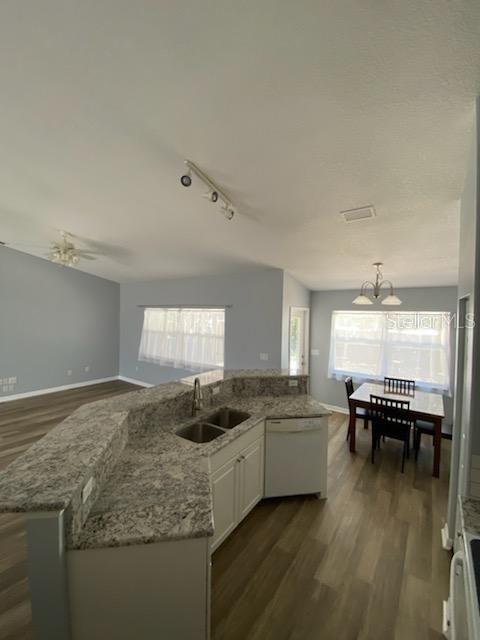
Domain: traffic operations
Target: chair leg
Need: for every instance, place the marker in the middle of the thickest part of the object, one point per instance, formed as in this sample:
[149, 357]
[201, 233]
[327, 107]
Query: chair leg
[373, 444]
[403, 455]
[348, 431]
[407, 442]
[416, 441]
[365, 422]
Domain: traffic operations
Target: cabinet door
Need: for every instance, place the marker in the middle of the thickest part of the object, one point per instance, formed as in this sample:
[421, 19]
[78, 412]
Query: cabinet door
[225, 504]
[251, 485]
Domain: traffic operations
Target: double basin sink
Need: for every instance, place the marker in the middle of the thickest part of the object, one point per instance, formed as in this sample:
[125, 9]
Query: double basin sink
[213, 426]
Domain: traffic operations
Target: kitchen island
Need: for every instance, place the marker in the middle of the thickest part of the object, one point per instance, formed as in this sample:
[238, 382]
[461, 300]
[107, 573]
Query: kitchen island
[120, 510]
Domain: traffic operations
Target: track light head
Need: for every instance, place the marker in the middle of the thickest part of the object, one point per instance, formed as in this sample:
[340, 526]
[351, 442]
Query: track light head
[212, 196]
[186, 179]
[228, 211]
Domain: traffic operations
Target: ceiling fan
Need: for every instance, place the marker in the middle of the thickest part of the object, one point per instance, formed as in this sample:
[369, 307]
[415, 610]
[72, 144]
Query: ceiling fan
[63, 251]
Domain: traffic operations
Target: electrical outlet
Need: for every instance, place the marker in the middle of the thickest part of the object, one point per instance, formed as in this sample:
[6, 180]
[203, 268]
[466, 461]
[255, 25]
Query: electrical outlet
[264, 356]
[69, 372]
[293, 383]
[87, 368]
[136, 368]
[87, 489]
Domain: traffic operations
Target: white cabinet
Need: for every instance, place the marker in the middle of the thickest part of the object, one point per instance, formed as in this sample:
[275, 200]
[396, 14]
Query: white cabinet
[224, 493]
[237, 479]
[251, 477]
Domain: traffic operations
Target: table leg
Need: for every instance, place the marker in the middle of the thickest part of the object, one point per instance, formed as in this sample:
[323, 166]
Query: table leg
[352, 427]
[437, 447]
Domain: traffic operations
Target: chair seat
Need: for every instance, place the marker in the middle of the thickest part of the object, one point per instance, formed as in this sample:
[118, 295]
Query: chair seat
[361, 412]
[428, 428]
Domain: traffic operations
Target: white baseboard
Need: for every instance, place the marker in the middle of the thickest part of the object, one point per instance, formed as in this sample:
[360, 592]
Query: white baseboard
[332, 407]
[141, 383]
[64, 387]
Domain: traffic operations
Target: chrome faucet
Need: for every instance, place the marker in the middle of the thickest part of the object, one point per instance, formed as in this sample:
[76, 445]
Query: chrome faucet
[197, 397]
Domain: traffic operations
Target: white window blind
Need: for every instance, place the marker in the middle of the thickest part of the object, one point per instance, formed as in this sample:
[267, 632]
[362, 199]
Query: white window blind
[369, 345]
[183, 338]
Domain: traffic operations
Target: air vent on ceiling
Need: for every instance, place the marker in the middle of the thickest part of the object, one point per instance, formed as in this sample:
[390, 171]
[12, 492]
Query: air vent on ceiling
[356, 215]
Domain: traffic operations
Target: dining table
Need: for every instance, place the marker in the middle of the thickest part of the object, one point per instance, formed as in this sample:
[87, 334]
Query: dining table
[423, 406]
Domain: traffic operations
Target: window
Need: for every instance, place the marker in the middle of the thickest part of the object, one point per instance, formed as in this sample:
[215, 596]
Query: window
[369, 345]
[183, 338]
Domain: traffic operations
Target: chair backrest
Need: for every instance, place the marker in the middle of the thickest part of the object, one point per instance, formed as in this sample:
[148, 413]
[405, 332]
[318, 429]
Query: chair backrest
[399, 386]
[349, 386]
[389, 412]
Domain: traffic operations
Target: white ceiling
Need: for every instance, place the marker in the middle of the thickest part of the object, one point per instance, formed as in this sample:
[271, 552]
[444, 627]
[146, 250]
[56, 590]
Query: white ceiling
[297, 109]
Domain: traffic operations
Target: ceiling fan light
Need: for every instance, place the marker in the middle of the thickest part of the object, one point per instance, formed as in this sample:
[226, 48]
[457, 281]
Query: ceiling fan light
[392, 300]
[362, 299]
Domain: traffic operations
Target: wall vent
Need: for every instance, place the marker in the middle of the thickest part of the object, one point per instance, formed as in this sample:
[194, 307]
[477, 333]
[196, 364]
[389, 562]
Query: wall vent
[356, 215]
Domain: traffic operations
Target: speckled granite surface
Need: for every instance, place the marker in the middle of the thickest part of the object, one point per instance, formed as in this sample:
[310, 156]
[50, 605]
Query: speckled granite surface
[149, 484]
[160, 489]
[470, 514]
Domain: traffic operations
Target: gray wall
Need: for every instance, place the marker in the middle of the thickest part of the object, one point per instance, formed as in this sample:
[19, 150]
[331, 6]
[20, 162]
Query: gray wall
[324, 302]
[294, 295]
[53, 319]
[253, 324]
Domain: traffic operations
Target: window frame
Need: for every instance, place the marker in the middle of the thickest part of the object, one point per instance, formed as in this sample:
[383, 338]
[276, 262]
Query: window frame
[174, 362]
[385, 345]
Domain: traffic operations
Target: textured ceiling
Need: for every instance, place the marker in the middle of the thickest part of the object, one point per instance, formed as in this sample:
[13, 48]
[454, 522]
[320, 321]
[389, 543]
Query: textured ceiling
[297, 109]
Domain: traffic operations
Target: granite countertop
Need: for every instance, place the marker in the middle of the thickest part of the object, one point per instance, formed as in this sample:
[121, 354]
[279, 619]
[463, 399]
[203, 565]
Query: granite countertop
[470, 514]
[160, 488]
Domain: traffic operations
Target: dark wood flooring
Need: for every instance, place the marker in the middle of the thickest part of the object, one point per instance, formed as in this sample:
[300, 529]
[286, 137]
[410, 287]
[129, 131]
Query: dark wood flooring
[365, 564]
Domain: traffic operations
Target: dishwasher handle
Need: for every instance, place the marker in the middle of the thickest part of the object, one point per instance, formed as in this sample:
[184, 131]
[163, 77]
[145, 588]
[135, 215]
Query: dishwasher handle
[278, 427]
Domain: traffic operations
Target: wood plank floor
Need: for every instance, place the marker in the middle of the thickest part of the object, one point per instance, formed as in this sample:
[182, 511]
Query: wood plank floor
[365, 564]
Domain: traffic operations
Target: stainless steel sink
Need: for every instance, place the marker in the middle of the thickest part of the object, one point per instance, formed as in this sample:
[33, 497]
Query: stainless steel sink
[227, 418]
[213, 425]
[200, 432]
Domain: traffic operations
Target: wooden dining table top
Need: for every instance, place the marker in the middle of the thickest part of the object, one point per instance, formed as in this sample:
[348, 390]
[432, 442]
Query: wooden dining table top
[430, 404]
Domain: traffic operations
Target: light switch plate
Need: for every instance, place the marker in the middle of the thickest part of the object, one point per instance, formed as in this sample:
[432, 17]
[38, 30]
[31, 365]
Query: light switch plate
[264, 356]
[315, 352]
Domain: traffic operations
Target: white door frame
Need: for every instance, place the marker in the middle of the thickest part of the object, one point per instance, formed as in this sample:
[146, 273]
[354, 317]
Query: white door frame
[460, 453]
[307, 336]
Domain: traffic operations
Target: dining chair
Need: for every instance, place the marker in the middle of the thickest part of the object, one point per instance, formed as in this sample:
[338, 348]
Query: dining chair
[390, 418]
[359, 411]
[428, 428]
[399, 385]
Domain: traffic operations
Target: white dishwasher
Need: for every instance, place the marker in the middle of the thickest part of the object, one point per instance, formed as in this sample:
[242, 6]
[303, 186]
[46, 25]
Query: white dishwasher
[296, 456]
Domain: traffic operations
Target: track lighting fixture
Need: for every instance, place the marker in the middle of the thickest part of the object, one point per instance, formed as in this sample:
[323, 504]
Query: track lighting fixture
[214, 194]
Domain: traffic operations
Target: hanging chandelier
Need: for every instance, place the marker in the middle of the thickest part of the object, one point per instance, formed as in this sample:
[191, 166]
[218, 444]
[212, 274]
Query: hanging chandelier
[376, 286]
